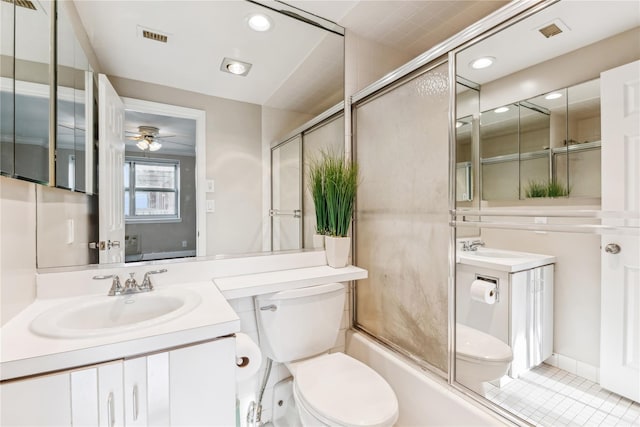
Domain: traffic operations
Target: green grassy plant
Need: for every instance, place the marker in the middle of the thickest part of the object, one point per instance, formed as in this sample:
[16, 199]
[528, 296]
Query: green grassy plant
[340, 185]
[546, 189]
[316, 188]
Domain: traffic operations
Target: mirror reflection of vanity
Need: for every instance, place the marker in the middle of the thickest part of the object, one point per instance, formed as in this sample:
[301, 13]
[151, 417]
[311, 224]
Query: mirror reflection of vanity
[535, 157]
[245, 118]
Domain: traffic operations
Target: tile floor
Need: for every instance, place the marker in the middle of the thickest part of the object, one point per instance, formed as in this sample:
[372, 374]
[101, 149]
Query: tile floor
[549, 396]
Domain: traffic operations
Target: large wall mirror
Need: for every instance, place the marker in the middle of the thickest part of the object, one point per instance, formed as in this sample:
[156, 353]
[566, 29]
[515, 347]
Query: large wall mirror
[221, 173]
[549, 277]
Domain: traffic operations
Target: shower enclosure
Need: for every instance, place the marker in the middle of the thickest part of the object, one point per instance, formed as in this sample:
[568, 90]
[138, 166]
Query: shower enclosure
[401, 224]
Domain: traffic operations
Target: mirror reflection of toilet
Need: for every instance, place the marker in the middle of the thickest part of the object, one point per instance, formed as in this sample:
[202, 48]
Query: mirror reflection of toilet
[298, 328]
[480, 357]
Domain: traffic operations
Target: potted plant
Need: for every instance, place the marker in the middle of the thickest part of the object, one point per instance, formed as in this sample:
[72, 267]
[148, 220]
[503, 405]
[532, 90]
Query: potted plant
[546, 189]
[340, 185]
[316, 188]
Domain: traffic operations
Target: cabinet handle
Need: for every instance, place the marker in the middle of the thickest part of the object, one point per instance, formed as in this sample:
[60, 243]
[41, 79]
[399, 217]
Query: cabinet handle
[135, 402]
[111, 416]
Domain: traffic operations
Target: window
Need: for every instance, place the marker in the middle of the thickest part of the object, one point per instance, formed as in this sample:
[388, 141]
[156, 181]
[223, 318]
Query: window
[151, 190]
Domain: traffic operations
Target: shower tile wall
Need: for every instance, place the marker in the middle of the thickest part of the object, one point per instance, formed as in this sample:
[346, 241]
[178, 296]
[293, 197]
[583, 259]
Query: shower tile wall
[402, 232]
[244, 307]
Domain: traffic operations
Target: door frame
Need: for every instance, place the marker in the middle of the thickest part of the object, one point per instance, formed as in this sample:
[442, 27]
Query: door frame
[200, 117]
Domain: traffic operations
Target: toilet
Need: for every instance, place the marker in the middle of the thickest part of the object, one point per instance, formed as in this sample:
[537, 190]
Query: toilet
[298, 328]
[480, 357]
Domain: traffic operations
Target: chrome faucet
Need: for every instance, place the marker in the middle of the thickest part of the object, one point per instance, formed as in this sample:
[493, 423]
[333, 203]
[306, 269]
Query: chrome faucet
[130, 285]
[116, 286]
[471, 246]
[146, 281]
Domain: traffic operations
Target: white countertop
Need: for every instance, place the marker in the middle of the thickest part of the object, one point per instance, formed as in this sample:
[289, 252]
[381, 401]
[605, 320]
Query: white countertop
[25, 353]
[263, 283]
[502, 260]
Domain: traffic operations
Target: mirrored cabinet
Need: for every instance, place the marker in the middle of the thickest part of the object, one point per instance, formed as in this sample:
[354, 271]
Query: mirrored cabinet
[26, 90]
[46, 97]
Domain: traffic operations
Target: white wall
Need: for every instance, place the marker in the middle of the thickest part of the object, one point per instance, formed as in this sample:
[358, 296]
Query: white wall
[17, 246]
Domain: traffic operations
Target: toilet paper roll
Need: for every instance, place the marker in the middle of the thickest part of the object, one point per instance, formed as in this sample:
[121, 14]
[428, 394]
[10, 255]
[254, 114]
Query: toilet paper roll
[248, 357]
[483, 291]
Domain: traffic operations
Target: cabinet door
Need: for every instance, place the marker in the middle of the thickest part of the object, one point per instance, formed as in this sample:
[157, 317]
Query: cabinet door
[202, 379]
[110, 395]
[84, 397]
[40, 401]
[135, 392]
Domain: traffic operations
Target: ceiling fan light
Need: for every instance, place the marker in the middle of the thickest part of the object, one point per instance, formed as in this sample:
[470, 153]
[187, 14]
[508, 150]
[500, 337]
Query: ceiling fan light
[143, 144]
[155, 146]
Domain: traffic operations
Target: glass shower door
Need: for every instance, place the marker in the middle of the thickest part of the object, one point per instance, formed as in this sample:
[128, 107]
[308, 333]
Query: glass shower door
[286, 195]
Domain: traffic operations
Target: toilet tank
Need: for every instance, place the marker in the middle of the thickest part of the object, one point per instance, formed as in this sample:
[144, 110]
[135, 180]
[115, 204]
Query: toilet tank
[300, 323]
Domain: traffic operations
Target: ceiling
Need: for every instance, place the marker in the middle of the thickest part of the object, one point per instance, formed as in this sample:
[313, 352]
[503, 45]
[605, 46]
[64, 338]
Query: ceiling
[583, 25]
[207, 31]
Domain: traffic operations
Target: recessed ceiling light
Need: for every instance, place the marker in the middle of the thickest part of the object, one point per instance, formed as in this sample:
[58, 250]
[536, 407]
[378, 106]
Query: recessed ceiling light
[235, 67]
[501, 110]
[484, 62]
[460, 124]
[259, 22]
[554, 95]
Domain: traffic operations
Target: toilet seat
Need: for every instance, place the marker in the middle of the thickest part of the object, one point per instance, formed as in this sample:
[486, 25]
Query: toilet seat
[339, 390]
[476, 346]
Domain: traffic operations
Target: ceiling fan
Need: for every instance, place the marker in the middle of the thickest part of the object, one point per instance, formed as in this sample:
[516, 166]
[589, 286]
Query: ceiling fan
[148, 138]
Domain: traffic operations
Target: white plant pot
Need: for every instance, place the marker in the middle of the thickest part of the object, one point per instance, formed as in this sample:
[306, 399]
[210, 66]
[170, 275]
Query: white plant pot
[318, 241]
[337, 249]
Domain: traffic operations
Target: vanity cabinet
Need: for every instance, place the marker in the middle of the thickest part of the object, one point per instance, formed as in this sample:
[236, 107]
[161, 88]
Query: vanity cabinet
[192, 385]
[522, 315]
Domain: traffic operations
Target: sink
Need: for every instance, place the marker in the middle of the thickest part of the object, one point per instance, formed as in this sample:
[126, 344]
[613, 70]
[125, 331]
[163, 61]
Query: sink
[490, 253]
[503, 260]
[103, 315]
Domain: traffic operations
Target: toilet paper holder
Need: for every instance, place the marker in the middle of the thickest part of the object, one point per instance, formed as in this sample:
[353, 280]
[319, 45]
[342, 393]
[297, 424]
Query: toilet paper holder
[493, 280]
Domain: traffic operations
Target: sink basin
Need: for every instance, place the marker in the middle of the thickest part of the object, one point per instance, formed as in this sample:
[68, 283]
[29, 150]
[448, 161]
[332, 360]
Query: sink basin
[103, 315]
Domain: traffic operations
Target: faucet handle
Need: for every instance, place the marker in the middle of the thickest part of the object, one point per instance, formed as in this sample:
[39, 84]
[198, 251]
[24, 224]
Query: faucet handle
[146, 282]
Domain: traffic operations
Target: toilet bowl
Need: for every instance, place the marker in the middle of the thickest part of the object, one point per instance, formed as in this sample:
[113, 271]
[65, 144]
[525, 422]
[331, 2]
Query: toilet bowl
[338, 390]
[480, 357]
[298, 328]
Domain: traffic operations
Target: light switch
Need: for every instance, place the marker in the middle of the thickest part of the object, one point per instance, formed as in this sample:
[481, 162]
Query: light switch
[211, 206]
[210, 186]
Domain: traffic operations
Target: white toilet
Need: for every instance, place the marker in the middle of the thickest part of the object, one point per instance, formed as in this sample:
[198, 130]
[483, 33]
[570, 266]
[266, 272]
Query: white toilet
[480, 357]
[298, 328]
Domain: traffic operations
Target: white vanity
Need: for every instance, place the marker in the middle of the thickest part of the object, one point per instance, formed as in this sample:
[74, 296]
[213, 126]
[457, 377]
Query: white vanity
[76, 356]
[522, 314]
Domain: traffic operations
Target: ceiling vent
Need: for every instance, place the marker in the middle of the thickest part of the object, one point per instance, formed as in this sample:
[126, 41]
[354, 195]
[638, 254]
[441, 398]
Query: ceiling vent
[154, 35]
[553, 28]
[22, 3]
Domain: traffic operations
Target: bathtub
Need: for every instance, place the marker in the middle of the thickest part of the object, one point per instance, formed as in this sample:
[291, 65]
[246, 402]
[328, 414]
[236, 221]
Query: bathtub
[423, 399]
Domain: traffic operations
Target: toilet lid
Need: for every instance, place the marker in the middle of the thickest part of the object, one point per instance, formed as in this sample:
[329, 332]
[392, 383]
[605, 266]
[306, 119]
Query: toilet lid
[474, 344]
[344, 391]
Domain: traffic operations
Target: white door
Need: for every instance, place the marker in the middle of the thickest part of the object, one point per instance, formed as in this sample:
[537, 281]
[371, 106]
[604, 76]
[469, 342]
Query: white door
[110, 181]
[620, 287]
